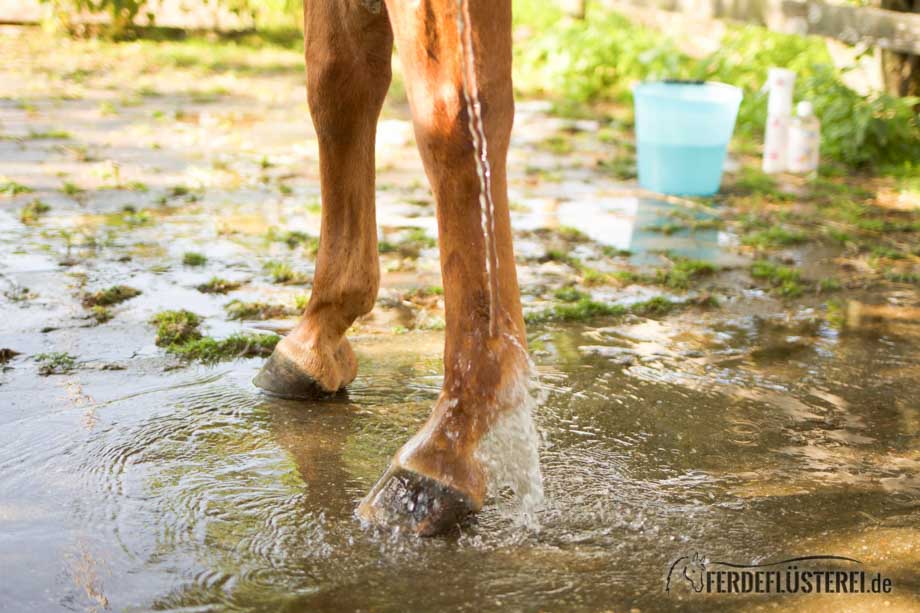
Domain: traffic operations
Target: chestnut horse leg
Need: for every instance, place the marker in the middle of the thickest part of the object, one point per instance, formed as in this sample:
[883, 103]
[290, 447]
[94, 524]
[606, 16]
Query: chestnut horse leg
[435, 478]
[349, 46]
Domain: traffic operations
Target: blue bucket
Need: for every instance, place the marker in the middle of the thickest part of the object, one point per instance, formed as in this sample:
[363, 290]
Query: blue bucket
[682, 134]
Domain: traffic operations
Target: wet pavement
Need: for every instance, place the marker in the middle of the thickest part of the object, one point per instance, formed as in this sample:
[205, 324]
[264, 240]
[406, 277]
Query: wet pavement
[131, 480]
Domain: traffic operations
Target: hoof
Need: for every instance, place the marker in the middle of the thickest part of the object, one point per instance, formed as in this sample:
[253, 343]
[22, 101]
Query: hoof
[405, 499]
[280, 376]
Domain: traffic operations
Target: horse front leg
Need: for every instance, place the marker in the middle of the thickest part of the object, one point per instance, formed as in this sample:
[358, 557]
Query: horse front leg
[348, 53]
[450, 66]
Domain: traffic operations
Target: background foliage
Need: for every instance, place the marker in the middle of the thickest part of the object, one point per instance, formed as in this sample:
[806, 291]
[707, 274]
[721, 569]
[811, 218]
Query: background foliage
[600, 57]
[123, 16]
[582, 62]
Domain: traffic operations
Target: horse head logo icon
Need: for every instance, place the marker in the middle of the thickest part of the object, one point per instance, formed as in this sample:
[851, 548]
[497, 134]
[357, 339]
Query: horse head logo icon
[691, 568]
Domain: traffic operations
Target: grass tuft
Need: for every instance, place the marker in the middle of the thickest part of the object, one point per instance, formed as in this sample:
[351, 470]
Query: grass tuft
[101, 314]
[72, 189]
[194, 259]
[176, 327]
[239, 310]
[281, 272]
[55, 363]
[684, 272]
[659, 305]
[409, 245]
[293, 239]
[773, 237]
[216, 285]
[209, 350]
[112, 295]
[33, 210]
[13, 188]
[582, 309]
[785, 281]
[178, 332]
[7, 354]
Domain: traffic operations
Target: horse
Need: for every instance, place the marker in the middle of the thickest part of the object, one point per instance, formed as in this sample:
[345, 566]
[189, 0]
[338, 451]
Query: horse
[456, 59]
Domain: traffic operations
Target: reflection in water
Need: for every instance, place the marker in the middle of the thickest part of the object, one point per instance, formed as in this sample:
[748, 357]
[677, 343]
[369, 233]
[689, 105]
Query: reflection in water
[658, 440]
[643, 226]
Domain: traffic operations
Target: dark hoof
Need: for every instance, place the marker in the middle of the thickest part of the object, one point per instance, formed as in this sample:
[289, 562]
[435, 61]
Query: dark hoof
[406, 499]
[281, 377]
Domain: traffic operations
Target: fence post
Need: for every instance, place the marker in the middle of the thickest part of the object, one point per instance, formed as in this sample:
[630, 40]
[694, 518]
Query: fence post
[901, 71]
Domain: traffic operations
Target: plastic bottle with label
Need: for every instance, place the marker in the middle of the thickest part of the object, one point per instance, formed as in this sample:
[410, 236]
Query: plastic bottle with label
[804, 140]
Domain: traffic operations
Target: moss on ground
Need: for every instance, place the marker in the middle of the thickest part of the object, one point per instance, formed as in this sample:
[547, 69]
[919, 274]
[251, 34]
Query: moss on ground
[836, 314]
[239, 309]
[281, 272]
[301, 301]
[569, 294]
[912, 278]
[191, 258]
[572, 235]
[217, 285]
[621, 166]
[784, 280]
[581, 310]
[563, 257]
[684, 272]
[32, 211]
[129, 216]
[49, 135]
[176, 327]
[579, 306]
[773, 237]
[423, 292]
[7, 354]
[593, 277]
[681, 221]
[657, 306]
[72, 190]
[751, 181]
[209, 350]
[178, 331]
[558, 144]
[100, 313]
[410, 244]
[110, 296]
[55, 363]
[294, 239]
[9, 187]
[680, 275]
[614, 252]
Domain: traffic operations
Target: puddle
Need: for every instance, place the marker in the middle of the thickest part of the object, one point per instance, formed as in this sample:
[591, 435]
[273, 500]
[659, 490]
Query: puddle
[188, 488]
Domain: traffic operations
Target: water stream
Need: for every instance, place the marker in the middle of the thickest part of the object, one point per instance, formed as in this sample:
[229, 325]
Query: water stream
[510, 451]
[470, 86]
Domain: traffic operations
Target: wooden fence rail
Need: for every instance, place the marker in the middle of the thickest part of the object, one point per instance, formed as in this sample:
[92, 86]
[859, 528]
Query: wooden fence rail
[891, 30]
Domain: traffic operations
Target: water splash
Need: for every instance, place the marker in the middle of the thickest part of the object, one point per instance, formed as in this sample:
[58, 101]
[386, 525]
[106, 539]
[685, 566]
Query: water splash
[476, 126]
[510, 452]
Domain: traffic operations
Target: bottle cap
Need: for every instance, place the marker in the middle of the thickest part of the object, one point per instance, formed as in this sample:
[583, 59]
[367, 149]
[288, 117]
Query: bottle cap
[804, 109]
